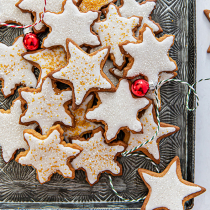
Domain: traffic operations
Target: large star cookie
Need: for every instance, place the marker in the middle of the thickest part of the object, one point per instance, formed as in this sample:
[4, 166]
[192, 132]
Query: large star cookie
[118, 110]
[11, 138]
[36, 7]
[46, 60]
[82, 126]
[84, 72]
[73, 24]
[46, 106]
[9, 13]
[149, 122]
[115, 30]
[149, 56]
[14, 70]
[144, 10]
[98, 156]
[49, 154]
[168, 190]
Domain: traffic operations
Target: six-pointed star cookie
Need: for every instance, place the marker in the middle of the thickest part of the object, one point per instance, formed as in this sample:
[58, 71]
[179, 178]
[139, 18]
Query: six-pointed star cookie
[11, 138]
[9, 13]
[149, 122]
[149, 56]
[115, 30]
[118, 110]
[46, 60]
[49, 154]
[36, 7]
[84, 72]
[97, 156]
[46, 106]
[14, 70]
[168, 190]
[133, 8]
[73, 24]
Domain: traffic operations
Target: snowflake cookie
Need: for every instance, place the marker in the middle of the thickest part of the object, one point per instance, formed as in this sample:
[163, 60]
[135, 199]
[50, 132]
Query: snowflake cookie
[98, 156]
[49, 154]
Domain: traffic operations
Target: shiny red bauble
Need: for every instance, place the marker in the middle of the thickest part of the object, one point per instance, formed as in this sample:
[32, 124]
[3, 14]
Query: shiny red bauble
[140, 87]
[31, 41]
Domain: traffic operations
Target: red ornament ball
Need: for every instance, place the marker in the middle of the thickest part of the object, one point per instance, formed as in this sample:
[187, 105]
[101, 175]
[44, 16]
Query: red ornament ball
[140, 87]
[31, 41]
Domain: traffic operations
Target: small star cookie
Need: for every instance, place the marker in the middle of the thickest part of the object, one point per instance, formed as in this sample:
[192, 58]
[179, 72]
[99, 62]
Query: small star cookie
[98, 156]
[84, 72]
[149, 56]
[73, 24]
[149, 122]
[11, 138]
[46, 106]
[49, 154]
[118, 110]
[14, 70]
[168, 190]
[46, 60]
[115, 30]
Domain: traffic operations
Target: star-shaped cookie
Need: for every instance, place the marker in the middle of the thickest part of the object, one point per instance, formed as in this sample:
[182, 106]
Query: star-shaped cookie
[115, 30]
[73, 24]
[46, 106]
[133, 8]
[11, 138]
[49, 154]
[9, 13]
[118, 110]
[98, 156]
[84, 72]
[149, 56]
[207, 13]
[168, 190]
[36, 7]
[14, 70]
[149, 121]
[46, 60]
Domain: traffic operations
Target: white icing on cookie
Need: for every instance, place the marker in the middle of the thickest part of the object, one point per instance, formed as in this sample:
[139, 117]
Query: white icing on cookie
[150, 56]
[115, 30]
[37, 7]
[48, 156]
[10, 13]
[71, 23]
[118, 110]
[83, 71]
[96, 157]
[48, 59]
[149, 129]
[14, 70]
[11, 138]
[46, 107]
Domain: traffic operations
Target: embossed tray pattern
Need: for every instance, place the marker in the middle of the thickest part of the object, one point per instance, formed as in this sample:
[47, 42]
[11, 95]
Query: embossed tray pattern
[18, 185]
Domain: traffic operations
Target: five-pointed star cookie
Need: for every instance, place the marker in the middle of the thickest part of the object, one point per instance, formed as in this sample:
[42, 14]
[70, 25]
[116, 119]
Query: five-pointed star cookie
[118, 110]
[73, 24]
[115, 30]
[9, 13]
[46, 106]
[98, 156]
[46, 60]
[149, 122]
[84, 72]
[11, 138]
[49, 154]
[14, 70]
[168, 190]
[144, 10]
[36, 7]
[149, 56]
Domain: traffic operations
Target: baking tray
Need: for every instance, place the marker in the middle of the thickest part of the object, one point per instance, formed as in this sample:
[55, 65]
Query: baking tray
[18, 185]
